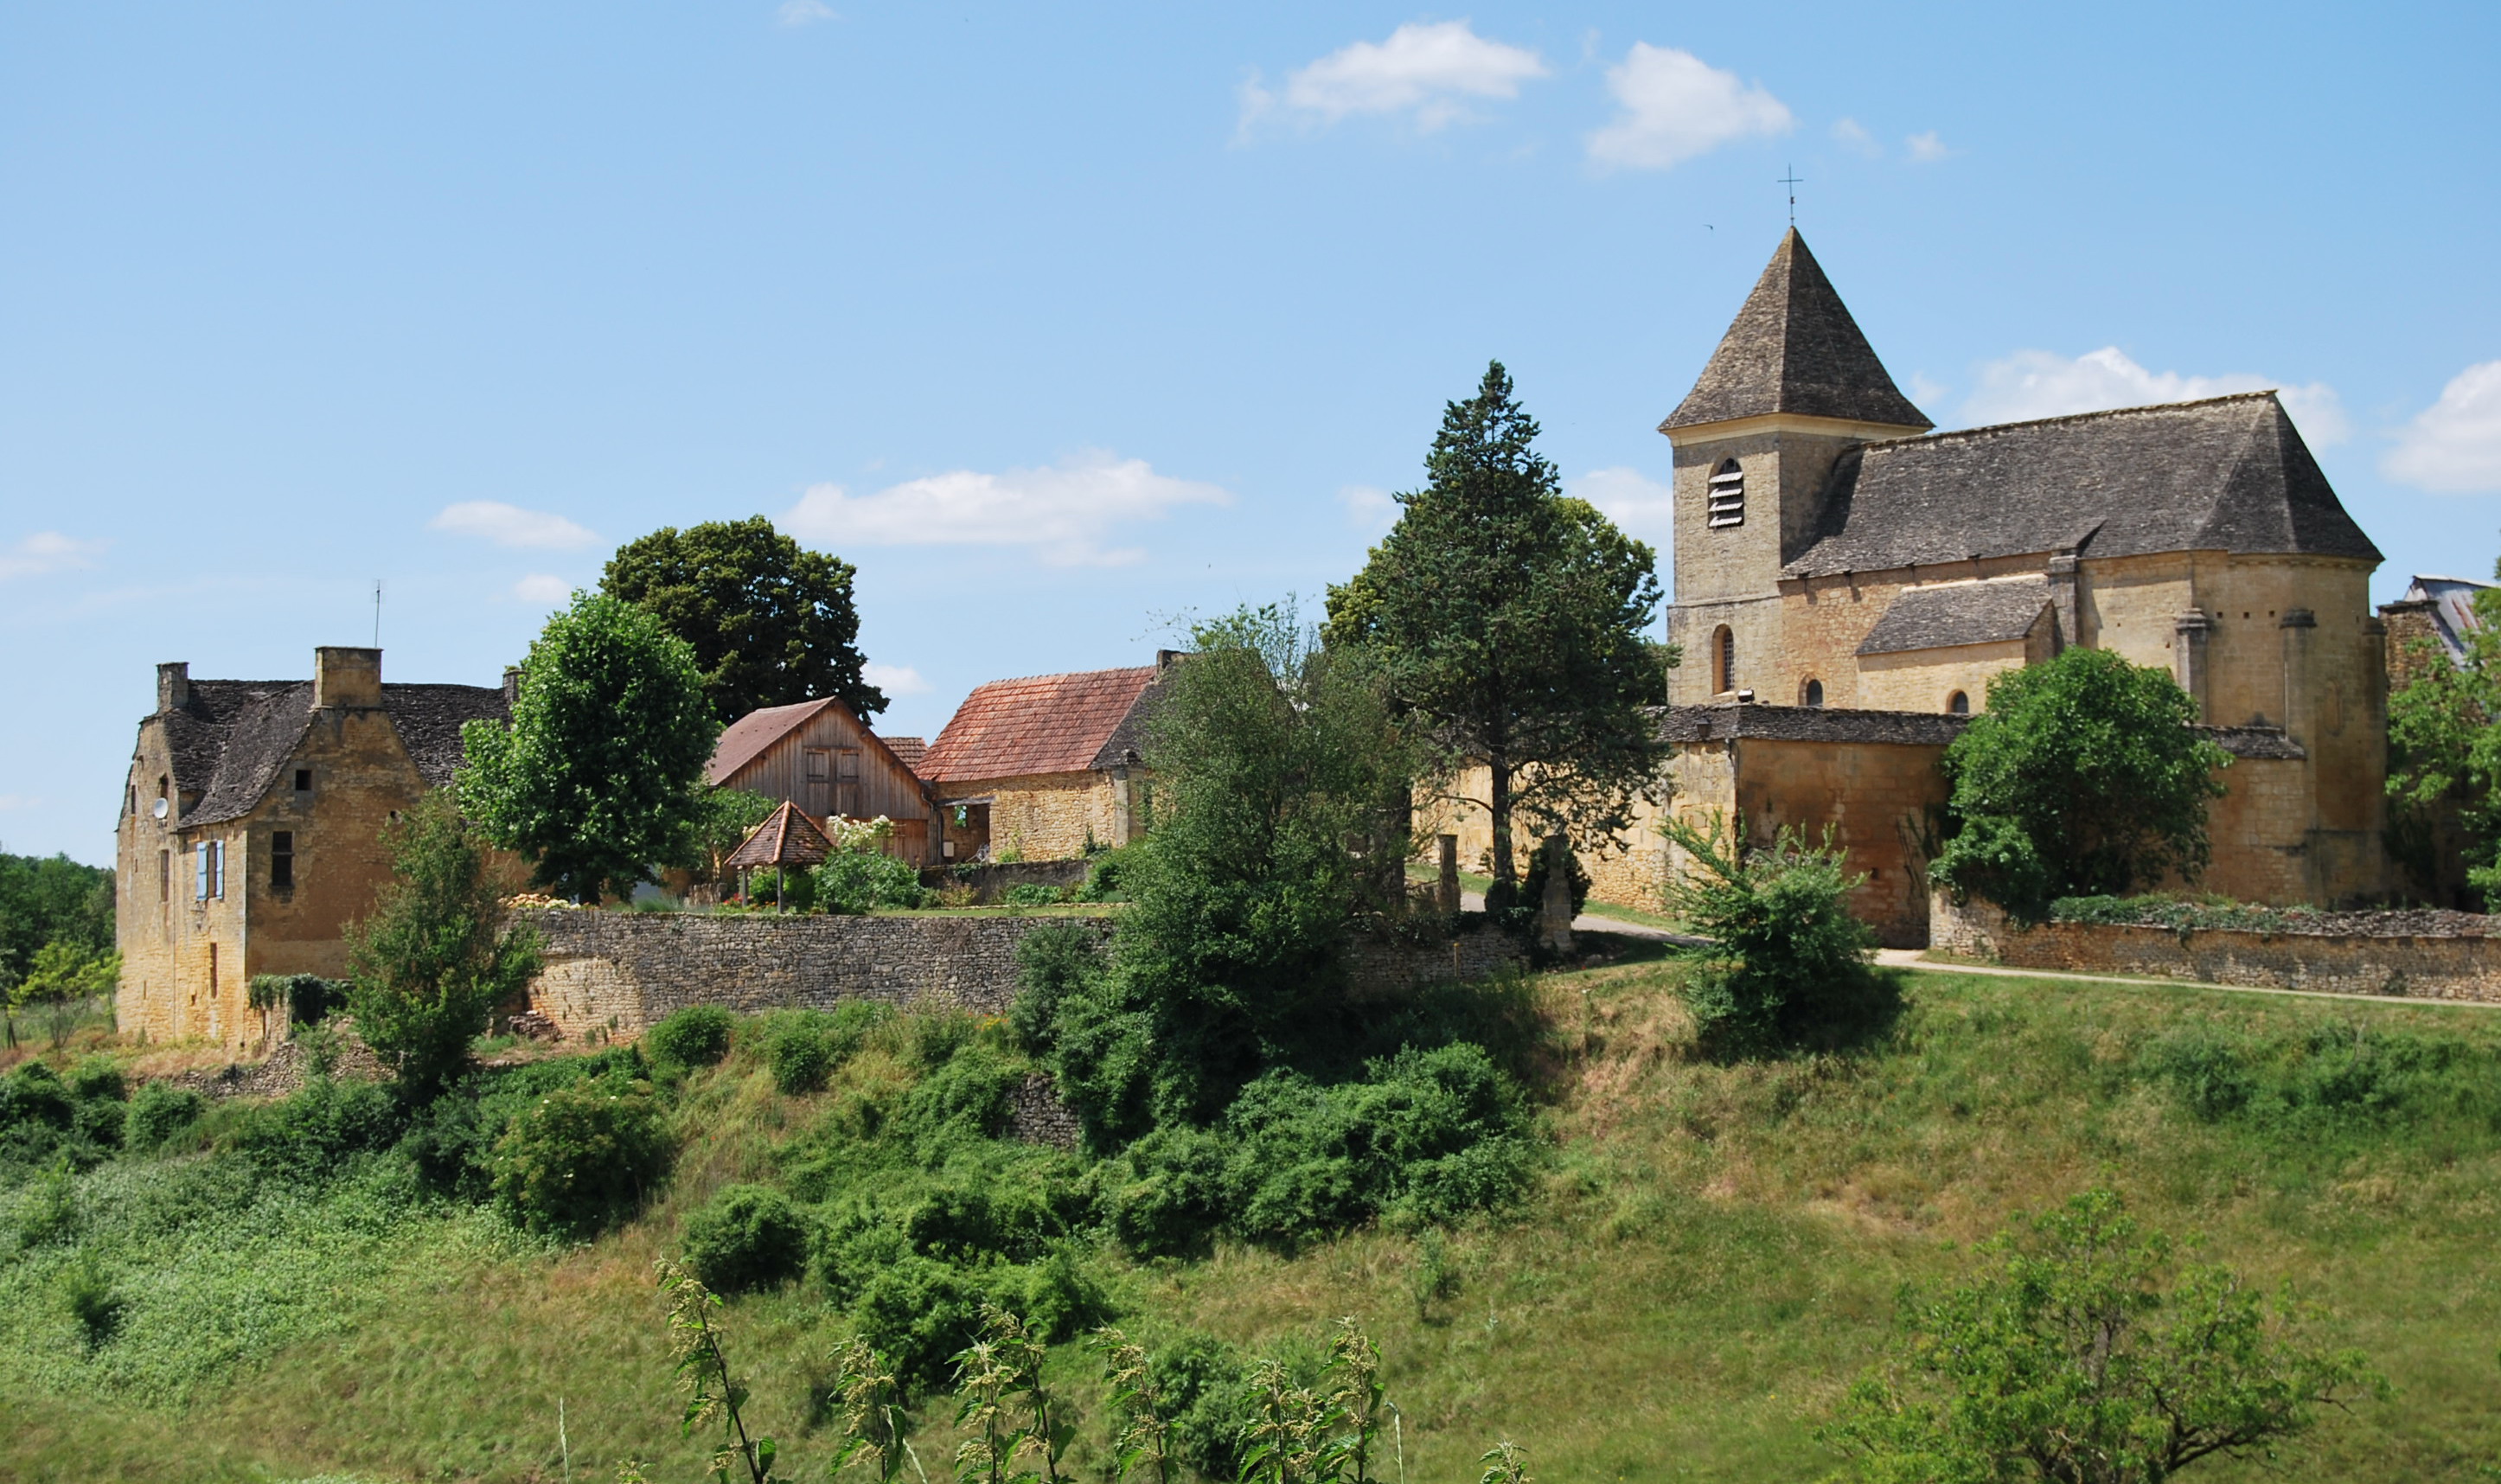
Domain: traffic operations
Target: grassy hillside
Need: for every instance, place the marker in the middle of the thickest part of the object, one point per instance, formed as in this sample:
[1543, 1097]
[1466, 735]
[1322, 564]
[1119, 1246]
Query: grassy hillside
[1710, 1254]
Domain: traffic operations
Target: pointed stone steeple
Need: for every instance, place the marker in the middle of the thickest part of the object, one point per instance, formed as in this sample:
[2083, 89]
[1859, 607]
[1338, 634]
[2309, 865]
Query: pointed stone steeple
[1794, 349]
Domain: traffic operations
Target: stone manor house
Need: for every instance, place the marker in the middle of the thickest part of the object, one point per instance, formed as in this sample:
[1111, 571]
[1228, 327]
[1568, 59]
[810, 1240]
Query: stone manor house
[1847, 582]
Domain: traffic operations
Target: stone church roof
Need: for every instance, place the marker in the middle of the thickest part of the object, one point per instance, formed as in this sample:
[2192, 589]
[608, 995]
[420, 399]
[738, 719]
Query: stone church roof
[231, 737]
[2226, 474]
[1946, 614]
[1794, 349]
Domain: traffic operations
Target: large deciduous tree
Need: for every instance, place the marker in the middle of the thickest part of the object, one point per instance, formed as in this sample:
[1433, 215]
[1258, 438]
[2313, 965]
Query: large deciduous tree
[771, 623]
[2083, 778]
[1508, 623]
[599, 780]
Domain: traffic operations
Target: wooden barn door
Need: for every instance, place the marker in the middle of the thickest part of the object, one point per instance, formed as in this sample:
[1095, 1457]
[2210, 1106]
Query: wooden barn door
[819, 782]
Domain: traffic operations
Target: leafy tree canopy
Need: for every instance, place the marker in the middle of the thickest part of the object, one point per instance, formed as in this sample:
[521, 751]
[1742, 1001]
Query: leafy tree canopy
[2079, 1354]
[771, 623]
[54, 900]
[2445, 742]
[599, 780]
[2082, 778]
[1510, 622]
[430, 963]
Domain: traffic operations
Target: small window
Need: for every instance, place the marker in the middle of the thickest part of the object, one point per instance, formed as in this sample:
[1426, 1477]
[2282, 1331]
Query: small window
[282, 859]
[303, 780]
[1958, 704]
[1723, 659]
[1727, 495]
[130, 801]
[1813, 694]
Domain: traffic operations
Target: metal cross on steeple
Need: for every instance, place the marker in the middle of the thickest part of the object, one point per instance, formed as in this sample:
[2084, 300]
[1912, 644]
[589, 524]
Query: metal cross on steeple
[1791, 180]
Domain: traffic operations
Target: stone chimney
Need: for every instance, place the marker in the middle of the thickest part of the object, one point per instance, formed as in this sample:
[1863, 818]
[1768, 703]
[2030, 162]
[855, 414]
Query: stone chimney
[173, 686]
[347, 677]
[1166, 659]
[512, 685]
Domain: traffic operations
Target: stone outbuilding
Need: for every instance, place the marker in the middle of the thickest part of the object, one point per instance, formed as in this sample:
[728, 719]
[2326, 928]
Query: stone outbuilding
[1046, 767]
[819, 757]
[251, 831]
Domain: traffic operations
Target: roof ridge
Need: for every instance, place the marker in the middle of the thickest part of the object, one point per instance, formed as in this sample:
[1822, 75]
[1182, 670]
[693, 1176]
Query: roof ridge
[1013, 680]
[2268, 393]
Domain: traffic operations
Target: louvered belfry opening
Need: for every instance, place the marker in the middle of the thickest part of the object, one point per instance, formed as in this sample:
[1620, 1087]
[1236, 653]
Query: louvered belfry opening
[1727, 495]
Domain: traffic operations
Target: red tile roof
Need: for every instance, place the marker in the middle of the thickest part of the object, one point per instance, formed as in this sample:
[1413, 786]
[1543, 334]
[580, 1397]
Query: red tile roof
[908, 751]
[786, 837]
[1043, 723]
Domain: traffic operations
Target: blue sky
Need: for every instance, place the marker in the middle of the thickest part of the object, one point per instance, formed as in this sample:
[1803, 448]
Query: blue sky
[1059, 322]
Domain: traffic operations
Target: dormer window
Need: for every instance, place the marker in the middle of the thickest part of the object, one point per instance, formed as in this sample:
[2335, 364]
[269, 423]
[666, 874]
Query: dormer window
[1958, 704]
[1727, 495]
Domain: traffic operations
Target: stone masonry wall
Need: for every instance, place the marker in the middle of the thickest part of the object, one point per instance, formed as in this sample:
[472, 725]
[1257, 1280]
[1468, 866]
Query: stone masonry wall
[612, 975]
[2450, 961]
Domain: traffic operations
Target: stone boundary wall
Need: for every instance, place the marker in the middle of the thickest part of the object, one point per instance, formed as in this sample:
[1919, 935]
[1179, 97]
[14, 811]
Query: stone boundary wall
[990, 879]
[612, 975]
[2443, 960]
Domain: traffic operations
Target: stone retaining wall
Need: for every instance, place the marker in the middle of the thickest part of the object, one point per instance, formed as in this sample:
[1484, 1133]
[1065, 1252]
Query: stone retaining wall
[611, 974]
[2445, 955]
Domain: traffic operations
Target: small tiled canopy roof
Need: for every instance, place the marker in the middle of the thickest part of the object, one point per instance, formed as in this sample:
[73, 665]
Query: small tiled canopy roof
[1949, 613]
[908, 751]
[1041, 724]
[786, 837]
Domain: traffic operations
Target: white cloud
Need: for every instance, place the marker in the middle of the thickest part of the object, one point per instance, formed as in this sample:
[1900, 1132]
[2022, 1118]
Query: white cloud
[1643, 507]
[1067, 510]
[540, 588]
[800, 12]
[2454, 446]
[47, 550]
[1926, 391]
[894, 679]
[1851, 134]
[1927, 148]
[1428, 72]
[1367, 509]
[1678, 106]
[510, 526]
[2040, 383]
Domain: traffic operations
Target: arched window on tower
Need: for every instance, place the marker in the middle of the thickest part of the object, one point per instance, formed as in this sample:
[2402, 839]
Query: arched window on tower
[1958, 704]
[1727, 495]
[1723, 659]
[1811, 694]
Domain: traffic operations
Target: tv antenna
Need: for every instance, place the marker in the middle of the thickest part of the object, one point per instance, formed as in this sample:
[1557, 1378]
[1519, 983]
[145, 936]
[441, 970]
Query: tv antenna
[1791, 180]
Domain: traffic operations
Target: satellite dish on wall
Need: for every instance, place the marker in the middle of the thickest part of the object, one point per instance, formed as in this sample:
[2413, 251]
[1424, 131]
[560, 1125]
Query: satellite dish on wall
[162, 805]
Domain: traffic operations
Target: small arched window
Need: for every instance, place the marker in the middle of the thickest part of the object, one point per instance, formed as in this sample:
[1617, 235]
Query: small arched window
[1723, 659]
[1958, 704]
[1811, 694]
[1727, 495]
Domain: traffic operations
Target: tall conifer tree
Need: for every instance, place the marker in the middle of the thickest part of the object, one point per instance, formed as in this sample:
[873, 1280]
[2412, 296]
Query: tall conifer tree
[1510, 622]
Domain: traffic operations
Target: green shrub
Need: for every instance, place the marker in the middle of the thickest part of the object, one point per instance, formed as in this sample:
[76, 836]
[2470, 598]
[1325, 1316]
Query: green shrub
[1426, 1136]
[1106, 878]
[452, 1140]
[1052, 963]
[101, 1122]
[697, 1035]
[746, 1236]
[158, 1111]
[1786, 961]
[96, 1077]
[33, 1093]
[306, 1135]
[859, 881]
[581, 1159]
[50, 1212]
[1199, 1379]
[92, 1302]
[800, 1055]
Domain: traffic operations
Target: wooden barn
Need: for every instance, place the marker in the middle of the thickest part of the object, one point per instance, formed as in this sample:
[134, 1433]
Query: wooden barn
[822, 758]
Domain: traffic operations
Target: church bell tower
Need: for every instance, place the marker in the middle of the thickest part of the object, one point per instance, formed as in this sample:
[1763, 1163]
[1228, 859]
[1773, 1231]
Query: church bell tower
[1792, 386]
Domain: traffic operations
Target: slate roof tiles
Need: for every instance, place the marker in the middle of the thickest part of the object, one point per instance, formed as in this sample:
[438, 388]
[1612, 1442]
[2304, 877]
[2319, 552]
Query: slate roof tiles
[1943, 615]
[229, 740]
[1794, 348]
